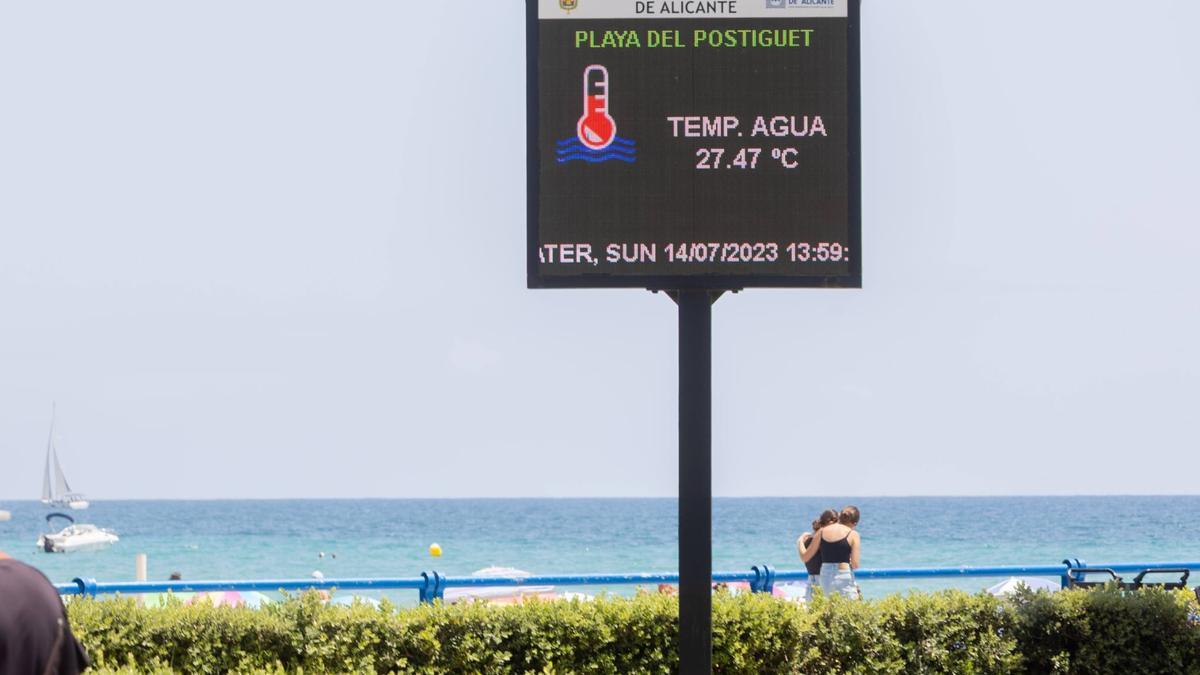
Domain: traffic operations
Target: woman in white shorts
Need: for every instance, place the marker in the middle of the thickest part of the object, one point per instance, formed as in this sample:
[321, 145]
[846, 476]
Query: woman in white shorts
[839, 548]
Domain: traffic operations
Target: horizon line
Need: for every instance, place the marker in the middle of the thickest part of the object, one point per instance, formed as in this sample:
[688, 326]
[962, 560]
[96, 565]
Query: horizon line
[621, 497]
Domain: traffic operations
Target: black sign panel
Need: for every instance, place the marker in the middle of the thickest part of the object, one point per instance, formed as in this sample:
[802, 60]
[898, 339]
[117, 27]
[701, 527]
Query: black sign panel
[693, 144]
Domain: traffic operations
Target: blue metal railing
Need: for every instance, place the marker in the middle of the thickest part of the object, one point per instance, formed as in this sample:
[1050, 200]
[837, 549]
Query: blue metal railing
[431, 586]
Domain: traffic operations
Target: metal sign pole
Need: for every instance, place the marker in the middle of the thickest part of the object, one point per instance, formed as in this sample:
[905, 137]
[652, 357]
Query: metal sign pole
[695, 481]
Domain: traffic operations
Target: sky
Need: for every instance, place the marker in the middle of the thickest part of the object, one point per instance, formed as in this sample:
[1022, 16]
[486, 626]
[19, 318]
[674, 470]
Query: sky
[276, 249]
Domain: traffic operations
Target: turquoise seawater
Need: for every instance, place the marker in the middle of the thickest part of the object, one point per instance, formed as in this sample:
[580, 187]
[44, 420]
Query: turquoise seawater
[282, 539]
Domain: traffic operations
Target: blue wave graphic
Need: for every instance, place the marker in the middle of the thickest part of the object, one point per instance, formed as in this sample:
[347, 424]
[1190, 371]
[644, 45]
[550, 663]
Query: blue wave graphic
[579, 147]
[588, 151]
[571, 149]
[574, 140]
[594, 159]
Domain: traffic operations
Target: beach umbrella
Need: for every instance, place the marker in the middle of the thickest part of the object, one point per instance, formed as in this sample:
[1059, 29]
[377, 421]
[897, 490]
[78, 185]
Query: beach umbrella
[252, 599]
[350, 600]
[793, 591]
[1011, 584]
[502, 595]
[516, 598]
[160, 599]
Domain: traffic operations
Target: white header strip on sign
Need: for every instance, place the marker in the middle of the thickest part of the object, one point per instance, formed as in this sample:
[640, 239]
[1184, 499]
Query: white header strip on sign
[691, 9]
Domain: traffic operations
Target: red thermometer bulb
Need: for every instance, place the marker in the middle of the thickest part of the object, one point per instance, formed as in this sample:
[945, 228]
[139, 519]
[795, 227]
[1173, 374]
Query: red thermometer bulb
[596, 127]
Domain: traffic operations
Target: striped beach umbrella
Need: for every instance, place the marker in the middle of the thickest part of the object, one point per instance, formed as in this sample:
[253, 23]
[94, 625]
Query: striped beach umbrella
[161, 599]
[251, 599]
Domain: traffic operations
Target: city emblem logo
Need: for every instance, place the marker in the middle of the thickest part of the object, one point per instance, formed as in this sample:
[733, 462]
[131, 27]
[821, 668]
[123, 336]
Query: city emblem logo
[596, 138]
[776, 4]
[568, 5]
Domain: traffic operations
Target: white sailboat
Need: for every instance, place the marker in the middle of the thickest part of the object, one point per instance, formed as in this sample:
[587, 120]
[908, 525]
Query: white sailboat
[60, 494]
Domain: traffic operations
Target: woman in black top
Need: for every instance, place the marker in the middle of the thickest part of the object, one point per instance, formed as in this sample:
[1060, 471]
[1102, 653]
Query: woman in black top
[837, 546]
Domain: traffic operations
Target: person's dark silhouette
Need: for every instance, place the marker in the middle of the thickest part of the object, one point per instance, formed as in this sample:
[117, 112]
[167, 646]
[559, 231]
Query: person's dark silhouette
[35, 637]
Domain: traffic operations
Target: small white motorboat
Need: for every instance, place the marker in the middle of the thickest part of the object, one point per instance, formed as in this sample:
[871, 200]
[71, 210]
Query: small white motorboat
[75, 537]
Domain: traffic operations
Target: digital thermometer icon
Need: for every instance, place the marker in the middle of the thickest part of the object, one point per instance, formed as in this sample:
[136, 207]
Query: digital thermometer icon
[596, 128]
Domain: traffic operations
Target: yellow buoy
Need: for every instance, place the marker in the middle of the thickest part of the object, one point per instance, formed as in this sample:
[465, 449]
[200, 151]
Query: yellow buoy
[435, 550]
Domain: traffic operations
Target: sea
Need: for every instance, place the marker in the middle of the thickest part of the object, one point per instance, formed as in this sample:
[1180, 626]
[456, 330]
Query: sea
[287, 539]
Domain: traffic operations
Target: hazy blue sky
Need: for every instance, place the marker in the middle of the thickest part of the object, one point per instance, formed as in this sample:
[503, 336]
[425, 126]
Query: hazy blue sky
[269, 248]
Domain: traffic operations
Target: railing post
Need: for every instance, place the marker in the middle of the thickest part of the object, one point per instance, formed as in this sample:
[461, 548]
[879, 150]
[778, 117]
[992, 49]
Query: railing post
[764, 579]
[433, 589]
[424, 596]
[1071, 563]
[87, 586]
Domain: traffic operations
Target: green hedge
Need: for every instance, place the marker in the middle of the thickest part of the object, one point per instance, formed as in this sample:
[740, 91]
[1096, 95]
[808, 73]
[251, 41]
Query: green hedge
[1100, 632]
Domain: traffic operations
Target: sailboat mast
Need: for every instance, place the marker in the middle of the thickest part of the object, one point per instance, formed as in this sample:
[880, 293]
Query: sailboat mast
[47, 493]
[47, 496]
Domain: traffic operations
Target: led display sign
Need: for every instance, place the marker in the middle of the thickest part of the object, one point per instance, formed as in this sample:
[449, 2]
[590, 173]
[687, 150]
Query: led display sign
[693, 144]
